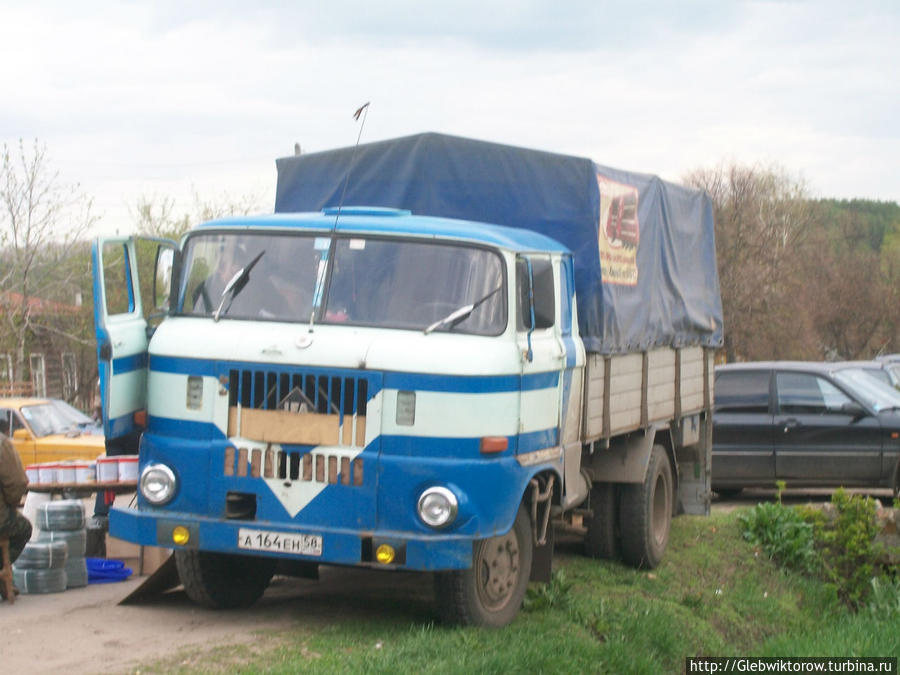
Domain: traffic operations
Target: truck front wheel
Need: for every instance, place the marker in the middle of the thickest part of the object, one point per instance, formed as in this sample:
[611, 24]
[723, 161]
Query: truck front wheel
[491, 592]
[645, 512]
[222, 580]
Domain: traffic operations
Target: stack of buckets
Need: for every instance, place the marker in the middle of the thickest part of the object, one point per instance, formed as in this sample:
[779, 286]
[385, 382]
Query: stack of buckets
[78, 472]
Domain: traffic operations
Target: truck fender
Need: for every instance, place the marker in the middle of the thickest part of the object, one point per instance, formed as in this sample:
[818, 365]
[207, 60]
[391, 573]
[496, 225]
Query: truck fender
[627, 458]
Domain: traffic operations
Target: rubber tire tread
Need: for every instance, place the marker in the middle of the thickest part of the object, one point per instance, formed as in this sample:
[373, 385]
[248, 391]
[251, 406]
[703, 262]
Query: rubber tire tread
[602, 538]
[457, 597]
[223, 580]
[639, 547]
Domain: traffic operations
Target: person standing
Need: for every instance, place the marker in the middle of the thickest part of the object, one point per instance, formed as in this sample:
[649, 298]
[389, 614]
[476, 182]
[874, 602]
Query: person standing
[13, 485]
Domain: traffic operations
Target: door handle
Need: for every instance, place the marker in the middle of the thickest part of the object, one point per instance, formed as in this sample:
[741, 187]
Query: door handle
[791, 424]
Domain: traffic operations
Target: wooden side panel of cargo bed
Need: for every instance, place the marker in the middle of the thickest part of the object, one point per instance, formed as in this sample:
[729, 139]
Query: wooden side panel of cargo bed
[691, 377]
[626, 378]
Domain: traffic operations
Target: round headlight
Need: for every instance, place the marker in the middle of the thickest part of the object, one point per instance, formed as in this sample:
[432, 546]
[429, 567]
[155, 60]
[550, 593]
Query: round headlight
[157, 483]
[437, 507]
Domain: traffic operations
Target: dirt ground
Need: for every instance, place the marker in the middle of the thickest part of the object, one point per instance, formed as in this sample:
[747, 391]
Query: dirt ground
[87, 630]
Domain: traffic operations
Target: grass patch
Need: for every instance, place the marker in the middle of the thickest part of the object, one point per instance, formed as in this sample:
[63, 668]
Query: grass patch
[715, 594]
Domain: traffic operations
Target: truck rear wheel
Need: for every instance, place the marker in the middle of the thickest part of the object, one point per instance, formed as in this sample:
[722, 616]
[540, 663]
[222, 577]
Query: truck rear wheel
[601, 540]
[222, 580]
[491, 592]
[646, 513]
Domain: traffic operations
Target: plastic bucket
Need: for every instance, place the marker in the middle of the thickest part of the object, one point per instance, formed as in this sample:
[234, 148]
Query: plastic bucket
[65, 473]
[84, 472]
[128, 467]
[108, 469]
[47, 473]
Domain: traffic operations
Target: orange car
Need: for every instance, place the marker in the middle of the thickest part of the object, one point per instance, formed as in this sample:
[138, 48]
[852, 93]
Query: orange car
[49, 430]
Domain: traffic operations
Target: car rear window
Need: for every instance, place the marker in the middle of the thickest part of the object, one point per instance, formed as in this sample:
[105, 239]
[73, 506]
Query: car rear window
[742, 391]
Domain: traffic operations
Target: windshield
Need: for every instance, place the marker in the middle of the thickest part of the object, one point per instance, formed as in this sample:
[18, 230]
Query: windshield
[279, 287]
[871, 390]
[413, 285]
[55, 417]
[388, 283]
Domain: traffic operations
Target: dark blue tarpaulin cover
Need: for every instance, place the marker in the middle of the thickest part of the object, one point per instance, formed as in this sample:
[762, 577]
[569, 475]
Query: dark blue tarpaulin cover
[644, 276]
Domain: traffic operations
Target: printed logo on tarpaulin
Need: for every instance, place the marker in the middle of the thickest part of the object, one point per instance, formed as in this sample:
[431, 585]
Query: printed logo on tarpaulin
[618, 232]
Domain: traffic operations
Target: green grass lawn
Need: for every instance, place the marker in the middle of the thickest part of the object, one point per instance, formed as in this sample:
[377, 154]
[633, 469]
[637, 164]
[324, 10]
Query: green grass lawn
[713, 595]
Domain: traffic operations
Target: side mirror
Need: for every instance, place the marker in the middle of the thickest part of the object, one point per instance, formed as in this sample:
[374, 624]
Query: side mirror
[854, 409]
[22, 435]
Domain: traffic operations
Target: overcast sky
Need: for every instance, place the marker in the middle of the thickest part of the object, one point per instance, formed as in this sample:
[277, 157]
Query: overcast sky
[160, 99]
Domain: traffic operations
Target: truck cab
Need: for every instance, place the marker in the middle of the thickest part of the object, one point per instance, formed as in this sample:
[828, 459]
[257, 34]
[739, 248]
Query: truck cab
[363, 388]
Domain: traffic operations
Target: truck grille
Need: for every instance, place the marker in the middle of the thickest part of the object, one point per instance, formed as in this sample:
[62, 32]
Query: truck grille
[298, 391]
[320, 467]
[284, 406]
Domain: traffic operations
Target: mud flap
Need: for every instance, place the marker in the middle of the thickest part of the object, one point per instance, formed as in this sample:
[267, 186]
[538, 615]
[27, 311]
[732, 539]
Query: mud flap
[165, 578]
[542, 559]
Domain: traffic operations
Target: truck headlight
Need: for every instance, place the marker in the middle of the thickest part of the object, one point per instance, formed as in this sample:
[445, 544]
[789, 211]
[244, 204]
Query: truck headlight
[157, 484]
[437, 507]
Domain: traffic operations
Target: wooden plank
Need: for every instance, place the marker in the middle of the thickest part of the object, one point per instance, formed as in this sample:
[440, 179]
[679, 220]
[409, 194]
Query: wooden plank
[282, 426]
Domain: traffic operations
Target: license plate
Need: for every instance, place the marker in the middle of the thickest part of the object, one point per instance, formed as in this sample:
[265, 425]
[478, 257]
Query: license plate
[279, 542]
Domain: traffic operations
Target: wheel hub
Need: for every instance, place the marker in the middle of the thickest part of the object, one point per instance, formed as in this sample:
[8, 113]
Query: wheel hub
[498, 570]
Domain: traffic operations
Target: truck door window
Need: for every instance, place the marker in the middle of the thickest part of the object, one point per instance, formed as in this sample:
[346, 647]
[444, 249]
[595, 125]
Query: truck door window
[117, 279]
[544, 302]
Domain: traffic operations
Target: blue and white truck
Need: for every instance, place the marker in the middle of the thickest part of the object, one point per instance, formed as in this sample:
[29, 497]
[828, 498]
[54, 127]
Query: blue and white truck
[432, 356]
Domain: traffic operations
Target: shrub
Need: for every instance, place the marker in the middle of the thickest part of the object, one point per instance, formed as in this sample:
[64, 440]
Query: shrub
[849, 550]
[782, 534]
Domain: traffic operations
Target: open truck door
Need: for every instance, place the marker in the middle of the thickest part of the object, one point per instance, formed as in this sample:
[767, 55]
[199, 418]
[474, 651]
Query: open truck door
[124, 312]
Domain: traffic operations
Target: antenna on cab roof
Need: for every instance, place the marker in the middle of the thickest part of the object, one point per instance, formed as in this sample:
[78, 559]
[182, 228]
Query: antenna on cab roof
[362, 110]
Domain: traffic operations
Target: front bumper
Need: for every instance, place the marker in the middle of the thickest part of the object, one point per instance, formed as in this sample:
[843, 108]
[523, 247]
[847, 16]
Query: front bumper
[339, 547]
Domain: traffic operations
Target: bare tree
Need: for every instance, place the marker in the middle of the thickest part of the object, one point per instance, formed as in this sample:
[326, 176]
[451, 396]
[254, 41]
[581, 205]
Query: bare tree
[41, 220]
[762, 218]
[157, 217]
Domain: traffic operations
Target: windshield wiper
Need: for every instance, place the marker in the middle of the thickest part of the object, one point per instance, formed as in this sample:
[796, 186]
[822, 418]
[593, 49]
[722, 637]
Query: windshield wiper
[236, 285]
[461, 314]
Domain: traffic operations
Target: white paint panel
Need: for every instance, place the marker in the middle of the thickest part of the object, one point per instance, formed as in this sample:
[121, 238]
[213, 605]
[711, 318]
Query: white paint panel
[336, 347]
[456, 415]
[168, 398]
[128, 393]
[540, 410]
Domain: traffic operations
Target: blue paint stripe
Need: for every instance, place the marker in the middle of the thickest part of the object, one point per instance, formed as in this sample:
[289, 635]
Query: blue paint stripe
[463, 448]
[119, 426]
[459, 384]
[127, 364]
[167, 426]
[179, 366]
[571, 351]
[429, 446]
[471, 384]
[538, 440]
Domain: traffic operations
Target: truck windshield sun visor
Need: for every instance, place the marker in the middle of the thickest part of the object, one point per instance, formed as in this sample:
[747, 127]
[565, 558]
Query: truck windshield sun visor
[378, 282]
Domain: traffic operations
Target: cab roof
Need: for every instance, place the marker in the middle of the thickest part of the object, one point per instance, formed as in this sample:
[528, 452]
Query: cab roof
[394, 222]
